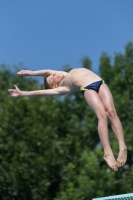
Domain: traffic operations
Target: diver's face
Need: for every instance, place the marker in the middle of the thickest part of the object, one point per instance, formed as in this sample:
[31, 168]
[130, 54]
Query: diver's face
[55, 79]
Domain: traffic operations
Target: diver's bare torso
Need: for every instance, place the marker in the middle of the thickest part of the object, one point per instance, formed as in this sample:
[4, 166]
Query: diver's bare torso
[78, 78]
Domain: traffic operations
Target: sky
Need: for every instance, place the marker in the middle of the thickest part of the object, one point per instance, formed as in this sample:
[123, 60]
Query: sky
[49, 34]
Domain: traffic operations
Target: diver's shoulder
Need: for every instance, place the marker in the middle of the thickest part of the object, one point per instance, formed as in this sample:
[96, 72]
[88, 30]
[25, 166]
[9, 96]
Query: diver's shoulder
[79, 70]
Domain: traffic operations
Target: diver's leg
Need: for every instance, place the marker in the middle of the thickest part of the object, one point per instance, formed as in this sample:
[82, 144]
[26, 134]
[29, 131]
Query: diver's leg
[107, 99]
[94, 101]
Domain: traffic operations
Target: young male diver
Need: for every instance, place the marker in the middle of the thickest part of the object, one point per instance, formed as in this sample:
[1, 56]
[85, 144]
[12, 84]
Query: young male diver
[98, 97]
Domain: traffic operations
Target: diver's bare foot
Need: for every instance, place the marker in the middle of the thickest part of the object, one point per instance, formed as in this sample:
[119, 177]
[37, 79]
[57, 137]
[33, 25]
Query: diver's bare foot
[109, 158]
[122, 157]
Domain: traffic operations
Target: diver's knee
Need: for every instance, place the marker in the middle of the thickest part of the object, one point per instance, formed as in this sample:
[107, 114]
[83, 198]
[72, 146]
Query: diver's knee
[111, 113]
[102, 116]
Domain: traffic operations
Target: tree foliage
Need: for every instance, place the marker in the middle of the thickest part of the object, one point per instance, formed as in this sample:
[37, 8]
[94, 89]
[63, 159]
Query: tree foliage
[49, 146]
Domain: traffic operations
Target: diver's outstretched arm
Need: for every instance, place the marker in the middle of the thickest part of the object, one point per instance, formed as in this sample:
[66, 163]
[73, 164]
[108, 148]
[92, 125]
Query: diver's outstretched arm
[36, 73]
[49, 92]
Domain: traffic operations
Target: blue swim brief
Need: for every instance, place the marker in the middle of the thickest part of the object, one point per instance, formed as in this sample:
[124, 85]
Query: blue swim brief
[93, 86]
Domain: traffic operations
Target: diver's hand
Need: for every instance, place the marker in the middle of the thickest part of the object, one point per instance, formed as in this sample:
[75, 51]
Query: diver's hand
[25, 73]
[15, 92]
